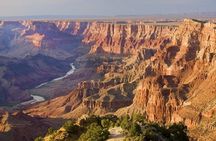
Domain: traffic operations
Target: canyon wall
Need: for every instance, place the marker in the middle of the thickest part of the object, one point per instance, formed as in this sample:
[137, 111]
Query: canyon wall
[116, 38]
[166, 72]
[169, 75]
[103, 37]
[18, 76]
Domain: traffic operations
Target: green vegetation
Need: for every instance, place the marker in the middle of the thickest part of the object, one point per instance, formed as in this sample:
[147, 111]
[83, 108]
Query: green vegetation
[39, 139]
[95, 132]
[50, 131]
[73, 131]
[135, 127]
[138, 129]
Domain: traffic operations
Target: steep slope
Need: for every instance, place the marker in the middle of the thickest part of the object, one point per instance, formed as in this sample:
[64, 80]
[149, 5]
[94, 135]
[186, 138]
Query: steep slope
[22, 38]
[177, 63]
[116, 90]
[169, 78]
[124, 38]
[17, 76]
[59, 39]
[166, 72]
[20, 127]
[188, 70]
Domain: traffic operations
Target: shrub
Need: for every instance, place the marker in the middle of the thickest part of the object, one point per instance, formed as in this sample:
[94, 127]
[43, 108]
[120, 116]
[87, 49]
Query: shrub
[90, 120]
[105, 123]
[39, 139]
[135, 130]
[73, 131]
[138, 118]
[50, 131]
[125, 122]
[178, 132]
[95, 133]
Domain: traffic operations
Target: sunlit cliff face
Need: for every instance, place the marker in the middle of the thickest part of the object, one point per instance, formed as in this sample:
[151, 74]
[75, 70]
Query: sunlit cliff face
[165, 72]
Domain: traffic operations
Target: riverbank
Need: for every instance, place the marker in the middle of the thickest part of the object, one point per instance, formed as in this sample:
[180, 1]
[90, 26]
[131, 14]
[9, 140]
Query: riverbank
[37, 98]
[71, 71]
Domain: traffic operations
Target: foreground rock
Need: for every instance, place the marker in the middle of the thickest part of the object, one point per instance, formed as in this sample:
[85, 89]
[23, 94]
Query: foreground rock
[20, 127]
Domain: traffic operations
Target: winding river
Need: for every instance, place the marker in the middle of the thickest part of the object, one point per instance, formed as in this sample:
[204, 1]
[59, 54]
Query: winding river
[37, 98]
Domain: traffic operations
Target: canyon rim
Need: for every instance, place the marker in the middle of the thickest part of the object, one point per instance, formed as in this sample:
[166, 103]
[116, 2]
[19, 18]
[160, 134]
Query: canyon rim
[103, 77]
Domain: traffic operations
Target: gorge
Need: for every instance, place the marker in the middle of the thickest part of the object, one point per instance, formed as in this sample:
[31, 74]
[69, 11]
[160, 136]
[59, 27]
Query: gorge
[164, 71]
[37, 98]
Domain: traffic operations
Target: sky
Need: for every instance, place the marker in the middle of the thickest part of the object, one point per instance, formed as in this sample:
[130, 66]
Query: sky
[103, 7]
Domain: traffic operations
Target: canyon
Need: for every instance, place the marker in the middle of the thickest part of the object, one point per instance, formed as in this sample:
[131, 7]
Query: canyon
[165, 71]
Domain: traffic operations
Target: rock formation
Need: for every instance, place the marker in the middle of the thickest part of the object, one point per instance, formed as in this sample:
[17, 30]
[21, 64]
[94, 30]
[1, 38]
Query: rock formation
[166, 72]
[169, 75]
[21, 127]
[124, 39]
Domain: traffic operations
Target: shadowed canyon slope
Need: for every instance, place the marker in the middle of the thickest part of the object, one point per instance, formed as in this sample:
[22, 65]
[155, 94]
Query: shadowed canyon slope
[166, 72]
[17, 76]
[18, 126]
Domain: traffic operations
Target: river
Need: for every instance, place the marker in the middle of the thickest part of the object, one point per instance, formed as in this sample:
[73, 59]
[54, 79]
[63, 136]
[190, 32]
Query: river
[37, 98]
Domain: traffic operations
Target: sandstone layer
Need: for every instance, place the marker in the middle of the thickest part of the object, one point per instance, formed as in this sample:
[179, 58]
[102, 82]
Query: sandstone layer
[166, 72]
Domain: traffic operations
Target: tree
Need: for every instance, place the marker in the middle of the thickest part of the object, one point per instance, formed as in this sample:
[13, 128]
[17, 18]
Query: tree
[73, 131]
[88, 121]
[94, 133]
[105, 123]
[138, 118]
[178, 132]
[68, 123]
[125, 122]
[135, 130]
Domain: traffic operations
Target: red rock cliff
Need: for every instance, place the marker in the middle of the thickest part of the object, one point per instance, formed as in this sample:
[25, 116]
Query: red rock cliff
[169, 77]
[124, 38]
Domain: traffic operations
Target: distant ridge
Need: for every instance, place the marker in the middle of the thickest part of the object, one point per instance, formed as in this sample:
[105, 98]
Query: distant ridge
[196, 15]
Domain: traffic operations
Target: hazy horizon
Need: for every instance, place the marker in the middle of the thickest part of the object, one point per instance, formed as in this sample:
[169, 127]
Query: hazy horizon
[103, 7]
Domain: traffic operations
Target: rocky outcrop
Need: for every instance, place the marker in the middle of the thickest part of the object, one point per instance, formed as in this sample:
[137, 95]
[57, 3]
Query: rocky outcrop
[22, 38]
[18, 126]
[169, 76]
[103, 37]
[184, 57]
[165, 72]
[158, 98]
[88, 97]
[186, 88]
[124, 39]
